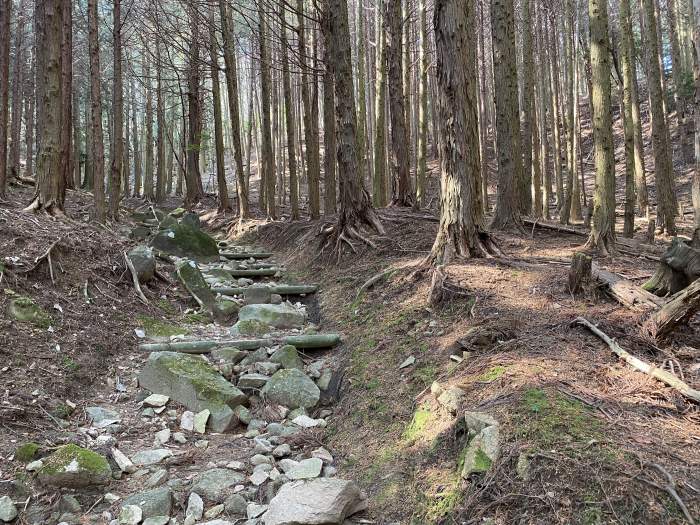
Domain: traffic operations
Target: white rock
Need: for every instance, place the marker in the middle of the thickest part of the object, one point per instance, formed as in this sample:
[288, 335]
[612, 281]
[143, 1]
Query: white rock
[123, 462]
[111, 498]
[195, 506]
[236, 465]
[408, 362]
[151, 457]
[200, 421]
[322, 454]
[179, 437]
[305, 421]
[156, 400]
[34, 465]
[162, 437]
[282, 451]
[130, 515]
[255, 510]
[306, 469]
[187, 421]
[8, 511]
[259, 477]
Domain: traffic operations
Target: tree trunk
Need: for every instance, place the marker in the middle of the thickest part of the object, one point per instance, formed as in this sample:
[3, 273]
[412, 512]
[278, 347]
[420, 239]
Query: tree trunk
[148, 192]
[461, 231]
[268, 165]
[67, 94]
[695, 190]
[135, 139]
[5, 15]
[524, 186]
[508, 144]
[193, 177]
[329, 139]
[355, 208]
[160, 125]
[379, 183]
[602, 235]
[627, 120]
[665, 186]
[29, 109]
[401, 193]
[18, 75]
[234, 116]
[118, 119]
[50, 185]
[421, 165]
[224, 204]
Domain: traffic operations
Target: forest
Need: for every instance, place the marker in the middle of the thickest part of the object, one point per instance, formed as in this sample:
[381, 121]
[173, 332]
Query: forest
[305, 262]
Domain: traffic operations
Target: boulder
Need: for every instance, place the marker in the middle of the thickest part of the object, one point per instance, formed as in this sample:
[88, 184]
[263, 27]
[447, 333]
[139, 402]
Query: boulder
[277, 315]
[292, 388]
[252, 381]
[288, 357]
[484, 446]
[144, 262]
[195, 383]
[102, 417]
[8, 511]
[228, 354]
[250, 327]
[154, 502]
[316, 502]
[72, 466]
[192, 279]
[213, 484]
[192, 220]
[183, 240]
[146, 458]
[452, 399]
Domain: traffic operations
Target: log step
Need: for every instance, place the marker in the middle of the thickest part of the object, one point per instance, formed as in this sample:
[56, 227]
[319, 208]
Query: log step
[280, 289]
[309, 341]
[246, 255]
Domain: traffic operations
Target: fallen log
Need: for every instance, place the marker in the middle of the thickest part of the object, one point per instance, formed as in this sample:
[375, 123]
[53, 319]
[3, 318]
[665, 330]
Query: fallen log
[678, 267]
[257, 272]
[307, 341]
[678, 309]
[245, 255]
[655, 372]
[280, 289]
[625, 291]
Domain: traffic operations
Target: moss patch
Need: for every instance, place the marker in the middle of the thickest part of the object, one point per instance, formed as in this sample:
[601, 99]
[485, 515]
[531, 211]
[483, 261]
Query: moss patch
[252, 327]
[493, 373]
[87, 460]
[24, 309]
[418, 424]
[27, 452]
[158, 328]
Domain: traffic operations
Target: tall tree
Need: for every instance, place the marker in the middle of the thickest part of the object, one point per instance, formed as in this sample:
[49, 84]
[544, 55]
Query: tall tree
[510, 164]
[268, 178]
[421, 165]
[660, 139]
[18, 77]
[193, 178]
[50, 185]
[96, 132]
[602, 235]
[528, 110]
[234, 116]
[461, 231]
[5, 14]
[329, 142]
[379, 183]
[118, 116]
[355, 208]
[224, 204]
[401, 191]
[628, 122]
[161, 175]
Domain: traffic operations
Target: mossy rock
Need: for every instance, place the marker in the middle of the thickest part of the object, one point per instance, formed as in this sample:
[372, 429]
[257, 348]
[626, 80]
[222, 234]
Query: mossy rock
[292, 388]
[195, 383]
[167, 222]
[72, 466]
[140, 233]
[251, 327]
[178, 212]
[191, 219]
[183, 240]
[25, 310]
[288, 357]
[159, 328]
[27, 452]
[277, 315]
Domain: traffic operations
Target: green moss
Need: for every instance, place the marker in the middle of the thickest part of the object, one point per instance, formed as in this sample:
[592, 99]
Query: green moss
[205, 378]
[24, 309]
[27, 452]
[426, 374]
[419, 422]
[62, 411]
[166, 306]
[493, 373]
[442, 505]
[158, 328]
[481, 461]
[70, 365]
[87, 460]
[196, 318]
[252, 327]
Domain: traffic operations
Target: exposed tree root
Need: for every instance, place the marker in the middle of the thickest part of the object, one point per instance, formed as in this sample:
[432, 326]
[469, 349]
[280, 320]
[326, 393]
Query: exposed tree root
[670, 488]
[349, 231]
[135, 279]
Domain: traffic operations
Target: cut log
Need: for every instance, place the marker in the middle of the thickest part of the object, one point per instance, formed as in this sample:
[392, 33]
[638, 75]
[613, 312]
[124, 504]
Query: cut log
[258, 272]
[245, 255]
[308, 341]
[280, 289]
[580, 273]
[678, 267]
[678, 309]
[626, 292]
[657, 373]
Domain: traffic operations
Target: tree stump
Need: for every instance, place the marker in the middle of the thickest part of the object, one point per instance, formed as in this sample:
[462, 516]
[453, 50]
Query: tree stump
[679, 309]
[678, 267]
[580, 273]
[651, 231]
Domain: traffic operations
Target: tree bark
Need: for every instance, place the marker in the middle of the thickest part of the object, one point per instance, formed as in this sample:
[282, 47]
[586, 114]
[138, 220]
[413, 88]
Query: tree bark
[268, 178]
[461, 231]
[508, 144]
[528, 110]
[224, 204]
[5, 15]
[379, 183]
[627, 120]
[329, 139]
[118, 118]
[193, 178]
[18, 77]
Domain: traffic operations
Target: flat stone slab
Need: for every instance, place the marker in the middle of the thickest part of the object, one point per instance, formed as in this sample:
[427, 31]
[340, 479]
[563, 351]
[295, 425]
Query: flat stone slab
[277, 315]
[213, 484]
[195, 383]
[320, 501]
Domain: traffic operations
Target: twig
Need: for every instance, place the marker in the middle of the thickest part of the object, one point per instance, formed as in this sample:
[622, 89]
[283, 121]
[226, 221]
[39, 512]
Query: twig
[662, 375]
[670, 488]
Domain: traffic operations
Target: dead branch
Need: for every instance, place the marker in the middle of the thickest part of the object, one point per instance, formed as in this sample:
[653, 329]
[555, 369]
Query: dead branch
[655, 372]
[670, 488]
[135, 279]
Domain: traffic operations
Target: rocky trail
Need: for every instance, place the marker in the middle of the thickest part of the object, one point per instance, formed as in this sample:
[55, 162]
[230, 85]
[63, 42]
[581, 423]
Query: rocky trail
[217, 424]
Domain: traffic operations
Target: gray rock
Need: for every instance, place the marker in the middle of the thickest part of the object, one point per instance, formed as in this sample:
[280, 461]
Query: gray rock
[321, 501]
[484, 446]
[200, 421]
[192, 381]
[292, 388]
[123, 463]
[144, 262]
[8, 511]
[213, 484]
[259, 459]
[190, 276]
[214, 512]
[288, 357]
[130, 515]
[156, 479]
[156, 400]
[259, 356]
[145, 458]
[452, 399]
[259, 477]
[324, 381]
[236, 505]
[102, 417]
[154, 502]
[195, 506]
[266, 368]
[228, 354]
[252, 381]
[277, 315]
[305, 469]
[157, 520]
[282, 451]
[75, 467]
[162, 437]
[257, 294]
[322, 454]
[255, 510]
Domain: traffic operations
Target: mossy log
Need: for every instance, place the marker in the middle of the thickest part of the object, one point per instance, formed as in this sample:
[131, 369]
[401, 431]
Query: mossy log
[679, 309]
[280, 289]
[678, 267]
[245, 255]
[308, 341]
[257, 272]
